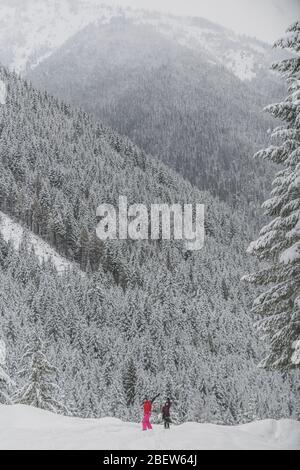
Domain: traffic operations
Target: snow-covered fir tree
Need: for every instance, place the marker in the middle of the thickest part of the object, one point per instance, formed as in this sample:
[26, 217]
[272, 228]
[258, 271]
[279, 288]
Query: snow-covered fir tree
[279, 242]
[5, 381]
[40, 389]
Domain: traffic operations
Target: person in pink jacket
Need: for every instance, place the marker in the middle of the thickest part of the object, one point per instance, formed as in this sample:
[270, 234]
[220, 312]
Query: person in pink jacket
[147, 413]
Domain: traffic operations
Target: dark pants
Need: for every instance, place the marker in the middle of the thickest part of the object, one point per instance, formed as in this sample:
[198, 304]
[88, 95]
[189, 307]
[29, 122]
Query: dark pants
[167, 422]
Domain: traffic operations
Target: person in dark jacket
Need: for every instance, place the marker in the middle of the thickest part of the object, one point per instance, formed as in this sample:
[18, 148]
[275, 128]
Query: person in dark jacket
[166, 413]
[147, 412]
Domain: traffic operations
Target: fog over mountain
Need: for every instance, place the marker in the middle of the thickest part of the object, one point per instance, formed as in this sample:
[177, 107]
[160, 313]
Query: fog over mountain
[31, 30]
[265, 20]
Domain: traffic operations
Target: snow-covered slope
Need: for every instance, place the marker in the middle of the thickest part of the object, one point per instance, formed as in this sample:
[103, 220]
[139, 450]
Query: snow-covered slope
[22, 427]
[30, 31]
[243, 56]
[11, 231]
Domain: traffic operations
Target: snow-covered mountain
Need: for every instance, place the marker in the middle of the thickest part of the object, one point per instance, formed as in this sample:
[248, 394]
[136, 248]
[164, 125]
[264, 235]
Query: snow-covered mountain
[174, 102]
[23, 427]
[32, 30]
[56, 164]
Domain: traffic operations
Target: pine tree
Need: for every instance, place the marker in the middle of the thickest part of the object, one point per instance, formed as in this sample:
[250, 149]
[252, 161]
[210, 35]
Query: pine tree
[39, 390]
[279, 242]
[129, 382]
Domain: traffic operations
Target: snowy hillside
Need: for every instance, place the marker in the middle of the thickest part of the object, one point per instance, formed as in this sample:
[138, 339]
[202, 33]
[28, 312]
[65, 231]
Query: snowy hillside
[241, 55]
[36, 29]
[22, 427]
[13, 232]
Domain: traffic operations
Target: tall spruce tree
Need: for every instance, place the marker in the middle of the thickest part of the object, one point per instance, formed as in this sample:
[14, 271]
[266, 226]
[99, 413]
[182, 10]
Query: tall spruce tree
[40, 389]
[278, 245]
[130, 382]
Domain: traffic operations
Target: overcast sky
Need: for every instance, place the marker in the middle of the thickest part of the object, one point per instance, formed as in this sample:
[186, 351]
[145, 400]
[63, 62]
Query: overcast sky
[265, 19]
